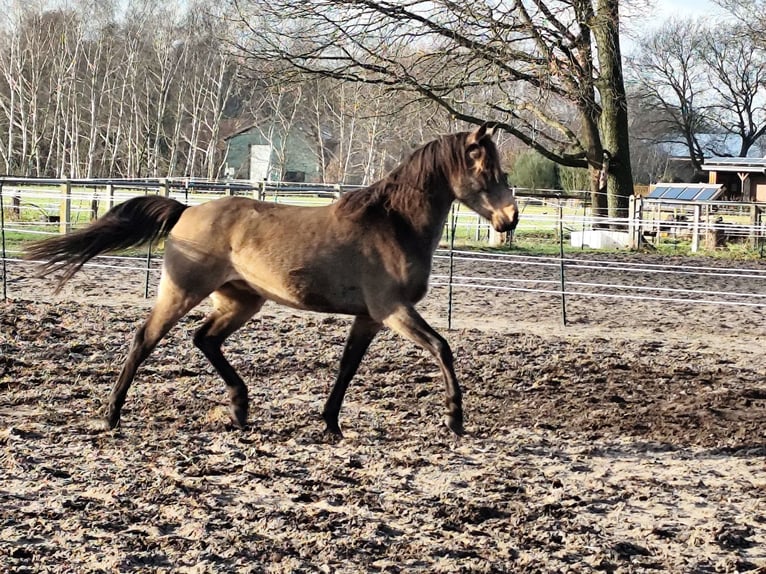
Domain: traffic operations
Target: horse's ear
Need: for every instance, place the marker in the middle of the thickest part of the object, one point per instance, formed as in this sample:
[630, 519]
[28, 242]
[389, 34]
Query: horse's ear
[476, 135]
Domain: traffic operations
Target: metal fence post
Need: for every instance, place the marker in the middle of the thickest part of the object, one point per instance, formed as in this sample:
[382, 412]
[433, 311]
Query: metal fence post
[754, 221]
[561, 264]
[453, 227]
[2, 241]
[148, 270]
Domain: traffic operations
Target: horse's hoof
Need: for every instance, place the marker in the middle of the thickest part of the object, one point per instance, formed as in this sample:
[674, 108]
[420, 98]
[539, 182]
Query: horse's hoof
[332, 434]
[455, 424]
[331, 438]
[103, 424]
[238, 416]
[111, 421]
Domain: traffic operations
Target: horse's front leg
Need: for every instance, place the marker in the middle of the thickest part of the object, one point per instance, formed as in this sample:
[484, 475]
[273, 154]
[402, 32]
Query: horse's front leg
[407, 322]
[362, 333]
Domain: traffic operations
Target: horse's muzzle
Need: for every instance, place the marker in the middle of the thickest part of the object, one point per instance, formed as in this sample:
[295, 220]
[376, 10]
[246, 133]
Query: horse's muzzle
[505, 220]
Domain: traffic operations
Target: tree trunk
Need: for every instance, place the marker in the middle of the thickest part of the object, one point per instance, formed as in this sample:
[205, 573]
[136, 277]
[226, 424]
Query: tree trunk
[599, 205]
[614, 114]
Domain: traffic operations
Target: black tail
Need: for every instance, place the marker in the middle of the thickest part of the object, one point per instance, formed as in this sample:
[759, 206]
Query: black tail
[129, 224]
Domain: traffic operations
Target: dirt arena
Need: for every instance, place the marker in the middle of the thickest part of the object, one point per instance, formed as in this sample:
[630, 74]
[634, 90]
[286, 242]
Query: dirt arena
[631, 440]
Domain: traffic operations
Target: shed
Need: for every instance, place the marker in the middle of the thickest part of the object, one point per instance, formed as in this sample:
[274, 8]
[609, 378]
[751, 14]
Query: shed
[687, 204]
[743, 177]
[250, 154]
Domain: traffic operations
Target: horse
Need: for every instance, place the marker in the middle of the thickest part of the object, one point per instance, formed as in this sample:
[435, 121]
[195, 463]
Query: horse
[368, 254]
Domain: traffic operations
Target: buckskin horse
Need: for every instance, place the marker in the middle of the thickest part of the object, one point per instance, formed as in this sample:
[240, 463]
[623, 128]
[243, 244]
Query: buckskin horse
[369, 255]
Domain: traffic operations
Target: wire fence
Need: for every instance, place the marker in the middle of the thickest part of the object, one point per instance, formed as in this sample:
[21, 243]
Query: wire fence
[38, 206]
[564, 277]
[463, 274]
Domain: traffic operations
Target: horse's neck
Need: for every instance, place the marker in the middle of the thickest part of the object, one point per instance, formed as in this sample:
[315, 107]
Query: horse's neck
[427, 222]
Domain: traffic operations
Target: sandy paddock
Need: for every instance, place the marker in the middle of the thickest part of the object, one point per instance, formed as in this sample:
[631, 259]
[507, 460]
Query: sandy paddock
[632, 440]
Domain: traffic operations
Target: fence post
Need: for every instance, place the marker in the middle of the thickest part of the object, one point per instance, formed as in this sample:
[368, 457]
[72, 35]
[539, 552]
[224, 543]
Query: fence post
[657, 222]
[696, 228]
[453, 226]
[165, 187]
[754, 221]
[110, 195]
[65, 207]
[2, 242]
[561, 264]
[94, 201]
[636, 222]
[148, 270]
[632, 241]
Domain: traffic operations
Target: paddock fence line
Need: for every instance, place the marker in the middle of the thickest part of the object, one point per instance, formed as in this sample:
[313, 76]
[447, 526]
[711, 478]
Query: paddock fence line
[58, 205]
[36, 205]
[462, 271]
[455, 269]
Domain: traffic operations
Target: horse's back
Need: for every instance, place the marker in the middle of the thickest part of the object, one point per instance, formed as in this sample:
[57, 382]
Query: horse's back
[306, 257]
[295, 255]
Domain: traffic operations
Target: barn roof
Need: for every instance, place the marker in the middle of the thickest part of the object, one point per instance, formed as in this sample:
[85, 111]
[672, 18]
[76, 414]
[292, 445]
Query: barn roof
[736, 164]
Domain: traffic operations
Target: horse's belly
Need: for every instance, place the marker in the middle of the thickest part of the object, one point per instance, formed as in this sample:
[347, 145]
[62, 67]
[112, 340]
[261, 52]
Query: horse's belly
[318, 291]
[309, 290]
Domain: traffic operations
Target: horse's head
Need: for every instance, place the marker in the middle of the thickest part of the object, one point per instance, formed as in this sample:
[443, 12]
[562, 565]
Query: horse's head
[482, 185]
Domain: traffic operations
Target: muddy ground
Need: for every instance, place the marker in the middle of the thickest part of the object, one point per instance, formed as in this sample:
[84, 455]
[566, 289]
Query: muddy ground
[631, 440]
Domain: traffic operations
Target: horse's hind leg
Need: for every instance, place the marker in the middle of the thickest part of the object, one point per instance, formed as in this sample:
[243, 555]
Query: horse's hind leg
[172, 304]
[232, 308]
[361, 335]
[407, 322]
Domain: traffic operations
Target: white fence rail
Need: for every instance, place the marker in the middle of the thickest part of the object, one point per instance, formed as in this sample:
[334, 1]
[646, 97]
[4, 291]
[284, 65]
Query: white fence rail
[55, 206]
[560, 277]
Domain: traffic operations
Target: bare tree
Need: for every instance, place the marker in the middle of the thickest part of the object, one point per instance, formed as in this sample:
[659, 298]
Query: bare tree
[136, 88]
[738, 79]
[691, 83]
[670, 85]
[547, 73]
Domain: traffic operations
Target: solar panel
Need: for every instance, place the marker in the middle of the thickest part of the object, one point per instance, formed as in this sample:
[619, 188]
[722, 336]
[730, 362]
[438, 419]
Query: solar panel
[686, 191]
[673, 193]
[689, 193]
[708, 194]
[658, 190]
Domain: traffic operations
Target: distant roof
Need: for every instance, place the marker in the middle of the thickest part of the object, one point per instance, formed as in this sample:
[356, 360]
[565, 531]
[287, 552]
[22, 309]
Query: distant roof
[736, 164]
[686, 191]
